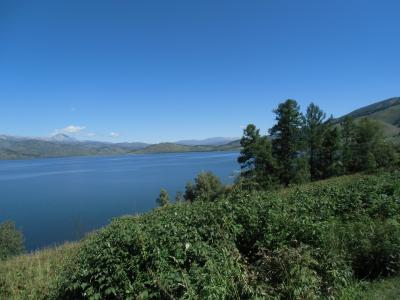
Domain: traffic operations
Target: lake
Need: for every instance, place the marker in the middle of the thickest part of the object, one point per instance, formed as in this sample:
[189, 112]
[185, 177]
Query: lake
[60, 199]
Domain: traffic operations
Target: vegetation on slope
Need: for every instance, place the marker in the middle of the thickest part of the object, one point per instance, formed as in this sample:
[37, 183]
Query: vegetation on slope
[321, 235]
[302, 243]
[386, 112]
[172, 147]
[34, 276]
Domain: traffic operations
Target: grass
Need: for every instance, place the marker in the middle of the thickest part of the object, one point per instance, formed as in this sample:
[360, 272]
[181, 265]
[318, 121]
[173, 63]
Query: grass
[386, 289]
[32, 276]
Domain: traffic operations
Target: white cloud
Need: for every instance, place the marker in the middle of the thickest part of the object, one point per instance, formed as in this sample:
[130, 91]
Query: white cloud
[91, 134]
[114, 134]
[71, 129]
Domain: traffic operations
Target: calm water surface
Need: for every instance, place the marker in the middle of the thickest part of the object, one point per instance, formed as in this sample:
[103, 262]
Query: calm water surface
[59, 199]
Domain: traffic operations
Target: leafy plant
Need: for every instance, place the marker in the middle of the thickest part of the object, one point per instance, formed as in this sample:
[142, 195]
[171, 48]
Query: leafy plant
[11, 240]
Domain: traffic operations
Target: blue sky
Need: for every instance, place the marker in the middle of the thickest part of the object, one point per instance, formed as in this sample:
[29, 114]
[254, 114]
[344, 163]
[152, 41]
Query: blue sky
[167, 70]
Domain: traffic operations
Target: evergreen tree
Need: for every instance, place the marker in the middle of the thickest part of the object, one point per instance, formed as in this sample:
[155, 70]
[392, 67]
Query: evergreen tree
[387, 156]
[314, 128]
[265, 165]
[257, 164]
[286, 141]
[250, 145]
[370, 146]
[349, 145]
[330, 163]
[163, 198]
[364, 146]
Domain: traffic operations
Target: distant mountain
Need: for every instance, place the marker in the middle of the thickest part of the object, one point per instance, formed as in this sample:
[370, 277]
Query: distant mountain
[62, 145]
[386, 112]
[165, 148]
[35, 148]
[214, 141]
[173, 147]
[62, 138]
[132, 146]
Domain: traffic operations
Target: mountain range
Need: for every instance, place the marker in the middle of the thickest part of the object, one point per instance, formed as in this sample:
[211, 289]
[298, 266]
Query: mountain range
[386, 112]
[215, 141]
[61, 145]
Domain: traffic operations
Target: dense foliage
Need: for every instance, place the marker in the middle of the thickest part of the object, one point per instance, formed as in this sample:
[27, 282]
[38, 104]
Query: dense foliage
[206, 187]
[11, 240]
[163, 198]
[308, 147]
[305, 242]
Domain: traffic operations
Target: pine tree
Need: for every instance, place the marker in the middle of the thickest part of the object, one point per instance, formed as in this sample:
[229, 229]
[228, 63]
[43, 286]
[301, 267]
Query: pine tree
[369, 145]
[286, 140]
[250, 144]
[364, 146]
[330, 160]
[349, 145]
[314, 128]
[265, 165]
[257, 164]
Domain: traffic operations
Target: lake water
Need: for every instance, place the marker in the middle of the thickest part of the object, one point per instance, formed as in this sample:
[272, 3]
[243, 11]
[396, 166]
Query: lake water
[60, 199]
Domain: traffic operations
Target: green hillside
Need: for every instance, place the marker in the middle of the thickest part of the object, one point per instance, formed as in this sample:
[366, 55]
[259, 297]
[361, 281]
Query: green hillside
[172, 147]
[387, 112]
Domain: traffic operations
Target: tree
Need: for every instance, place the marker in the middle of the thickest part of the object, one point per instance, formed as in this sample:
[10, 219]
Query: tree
[330, 152]
[179, 197]
[286, 140]
[250, 144]
[364, 146]
[256, 160]
[387, 156]
[207, 187]
[11, 240]
[163, 198]
[349, 143]
[370, 146]
[314, 128]
[189, 192]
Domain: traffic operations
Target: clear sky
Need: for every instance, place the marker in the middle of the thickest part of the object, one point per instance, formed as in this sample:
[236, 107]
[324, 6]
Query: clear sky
[167, 70]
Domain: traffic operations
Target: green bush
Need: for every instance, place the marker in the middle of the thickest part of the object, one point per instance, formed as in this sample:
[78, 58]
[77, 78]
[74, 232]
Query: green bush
[11, 240]
[166, 254]
[301, 243]
[206, 187]
[373, 247]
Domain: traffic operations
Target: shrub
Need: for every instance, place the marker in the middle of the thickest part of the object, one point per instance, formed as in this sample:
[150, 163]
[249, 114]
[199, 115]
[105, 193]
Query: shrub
[166, 254]
[373, 247]
[11, 240]
[206, 187]
[288, 272]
